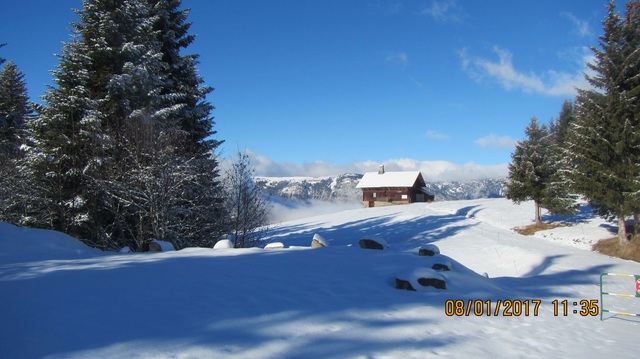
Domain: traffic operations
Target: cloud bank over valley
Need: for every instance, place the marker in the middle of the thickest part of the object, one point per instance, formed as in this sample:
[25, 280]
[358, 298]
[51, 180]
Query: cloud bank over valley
[433, 171]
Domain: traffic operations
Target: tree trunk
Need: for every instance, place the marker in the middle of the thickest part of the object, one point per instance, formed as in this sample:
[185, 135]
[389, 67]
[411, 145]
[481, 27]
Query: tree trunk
[636, 218]
[622, 230]
[538, 215]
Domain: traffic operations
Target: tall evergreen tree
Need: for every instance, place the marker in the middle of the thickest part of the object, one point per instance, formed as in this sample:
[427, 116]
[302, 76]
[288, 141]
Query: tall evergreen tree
[534, 173]
[2, 60]
[15, 112]
[149, 172]
[631, 36]
[562, 125]
[603, 145]
[14, 107]
[69, 145]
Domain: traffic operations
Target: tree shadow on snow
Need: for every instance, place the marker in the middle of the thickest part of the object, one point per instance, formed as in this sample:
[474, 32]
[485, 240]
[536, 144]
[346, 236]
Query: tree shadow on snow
[537, 284]
[583, 215]
[217, 306]
[399, 233]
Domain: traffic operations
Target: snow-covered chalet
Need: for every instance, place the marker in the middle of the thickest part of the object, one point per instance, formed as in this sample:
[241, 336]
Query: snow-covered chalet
[390, 188]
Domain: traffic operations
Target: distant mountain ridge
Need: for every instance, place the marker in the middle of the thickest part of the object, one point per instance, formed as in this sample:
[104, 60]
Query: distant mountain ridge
[342, 188]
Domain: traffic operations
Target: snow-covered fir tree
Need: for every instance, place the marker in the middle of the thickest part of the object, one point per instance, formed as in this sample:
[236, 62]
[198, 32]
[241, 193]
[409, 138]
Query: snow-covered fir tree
[14, 108]
[15, 113]
[604, 144]
[534, 173]
[130, 158]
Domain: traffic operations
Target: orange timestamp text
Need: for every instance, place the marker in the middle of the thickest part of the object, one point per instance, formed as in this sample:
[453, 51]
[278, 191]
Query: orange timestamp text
[518, 307]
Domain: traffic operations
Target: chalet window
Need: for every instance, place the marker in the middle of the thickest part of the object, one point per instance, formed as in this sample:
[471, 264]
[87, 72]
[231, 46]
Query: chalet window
[404, 196]
[373, 195]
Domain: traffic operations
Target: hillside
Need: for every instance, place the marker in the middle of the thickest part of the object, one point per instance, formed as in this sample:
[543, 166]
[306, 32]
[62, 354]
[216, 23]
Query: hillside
[342, 188]
[63, 300]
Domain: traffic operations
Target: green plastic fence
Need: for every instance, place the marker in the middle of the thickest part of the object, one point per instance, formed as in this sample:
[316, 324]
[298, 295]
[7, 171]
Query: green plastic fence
[635, 295]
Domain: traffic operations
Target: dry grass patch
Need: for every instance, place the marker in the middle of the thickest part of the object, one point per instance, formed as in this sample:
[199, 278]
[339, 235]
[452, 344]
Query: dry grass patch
[533, 228]
[611, 247]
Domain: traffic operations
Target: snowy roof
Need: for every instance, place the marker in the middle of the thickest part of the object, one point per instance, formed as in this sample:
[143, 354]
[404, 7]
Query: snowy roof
[388, 179]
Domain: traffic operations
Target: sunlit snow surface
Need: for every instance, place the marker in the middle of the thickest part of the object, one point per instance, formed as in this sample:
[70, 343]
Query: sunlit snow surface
[63, 300]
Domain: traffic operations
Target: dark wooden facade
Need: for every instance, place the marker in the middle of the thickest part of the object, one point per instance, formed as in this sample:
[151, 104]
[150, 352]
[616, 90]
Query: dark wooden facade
[384, 196]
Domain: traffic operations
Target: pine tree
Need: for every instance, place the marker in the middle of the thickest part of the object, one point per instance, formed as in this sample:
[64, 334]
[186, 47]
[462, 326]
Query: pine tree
[69, 146]
[131, 159]
[14, 108]
[631, 36]
[2, 60]
[603, 145]
[15, 113]
[534, 173]
[562, 125]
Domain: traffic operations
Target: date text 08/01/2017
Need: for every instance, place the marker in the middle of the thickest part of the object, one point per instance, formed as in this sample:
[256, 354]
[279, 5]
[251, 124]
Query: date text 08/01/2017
[517, 307]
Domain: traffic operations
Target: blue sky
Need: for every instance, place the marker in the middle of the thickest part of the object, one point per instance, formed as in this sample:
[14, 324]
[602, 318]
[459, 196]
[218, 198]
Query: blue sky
[320, 87]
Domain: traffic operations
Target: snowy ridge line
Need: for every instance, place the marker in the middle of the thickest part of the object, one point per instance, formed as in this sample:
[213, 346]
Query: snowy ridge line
[342, 188]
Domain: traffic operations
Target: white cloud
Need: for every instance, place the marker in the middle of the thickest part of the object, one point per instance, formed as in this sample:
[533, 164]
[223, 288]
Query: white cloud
[398, 58]
[495, 141]
[436, 135]
[582, 27]
[433, 171]
[551, 83]
[444, 11]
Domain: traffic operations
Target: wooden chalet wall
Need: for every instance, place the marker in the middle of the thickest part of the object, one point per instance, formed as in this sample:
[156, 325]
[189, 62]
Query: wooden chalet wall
[385, 196]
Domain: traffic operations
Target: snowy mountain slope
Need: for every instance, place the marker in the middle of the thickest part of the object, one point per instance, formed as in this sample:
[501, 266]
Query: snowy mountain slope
[457, 190]
[342, 188]
[334, 302]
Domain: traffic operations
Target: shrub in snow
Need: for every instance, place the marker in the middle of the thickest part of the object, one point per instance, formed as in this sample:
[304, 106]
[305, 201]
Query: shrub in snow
[318, 241]
[224, 243]
[371, 244]
[274, 245]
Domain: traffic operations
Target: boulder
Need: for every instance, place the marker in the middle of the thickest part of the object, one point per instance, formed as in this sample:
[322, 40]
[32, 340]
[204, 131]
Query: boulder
[440, 267]
[155, 247]
[432, 282]
[224, 243]
[274, 245]
[370, 244]
[125, 250]
[318, 241]
[404, 284]
[429, 250]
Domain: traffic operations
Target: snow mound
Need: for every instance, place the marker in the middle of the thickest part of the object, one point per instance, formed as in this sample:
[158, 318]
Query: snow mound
[19, 244]
[223, 244]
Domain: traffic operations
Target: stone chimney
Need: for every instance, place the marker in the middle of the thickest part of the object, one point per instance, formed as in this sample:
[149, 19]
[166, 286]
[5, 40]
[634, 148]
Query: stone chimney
[381, 170]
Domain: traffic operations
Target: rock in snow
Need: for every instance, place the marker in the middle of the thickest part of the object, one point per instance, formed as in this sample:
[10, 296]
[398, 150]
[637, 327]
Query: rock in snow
[318, 241]
[223, 243]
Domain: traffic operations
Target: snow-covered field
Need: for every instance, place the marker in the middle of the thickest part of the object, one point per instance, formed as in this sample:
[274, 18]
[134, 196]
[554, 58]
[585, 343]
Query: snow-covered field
[63, 300]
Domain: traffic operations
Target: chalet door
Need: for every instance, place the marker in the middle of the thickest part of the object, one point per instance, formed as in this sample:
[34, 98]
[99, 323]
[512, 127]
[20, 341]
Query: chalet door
[372, 204]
